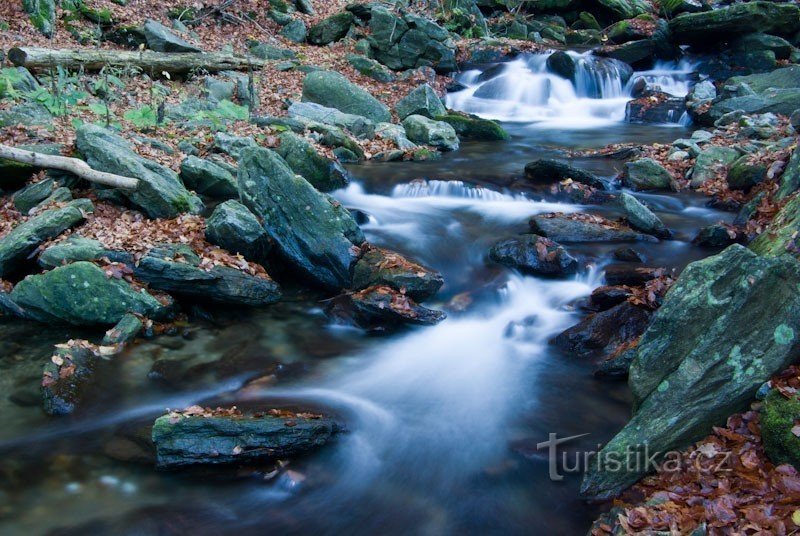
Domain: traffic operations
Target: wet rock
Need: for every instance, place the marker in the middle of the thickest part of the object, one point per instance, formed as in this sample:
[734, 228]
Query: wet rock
[562, 64]
[331, 29]
[408, 41]
[426, 131]
[309, 111]
[162, 39]
[422, 100]
[709, 27]
[310, 230]
[234, 228]
[655, 108]
[778, 422]
[544, 171]
[176, 268]
[379, 266]
[369, 67]
[335, 91]
[160, 194]
[605, 330]
[646, 174]
[616, 365]
[381, 306]
[633, 275]
[224, 437]
[18, 245]
[628, 255]
[67, 377]
[642, 218]
[695, 365]
[718, 235]
[207, 178]
[606, 297]
[81, 294]
[534, 254]
[472, 127]
[323, 173]
[631, 52]
[744, 174]
[126, 330]
[711, 162]
[573, 228]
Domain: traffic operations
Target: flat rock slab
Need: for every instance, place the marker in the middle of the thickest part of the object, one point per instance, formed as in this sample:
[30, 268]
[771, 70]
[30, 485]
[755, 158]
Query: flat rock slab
[205, 437]
[583, 228]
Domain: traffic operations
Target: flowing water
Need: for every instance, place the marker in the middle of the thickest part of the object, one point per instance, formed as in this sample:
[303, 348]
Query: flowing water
[442, 421]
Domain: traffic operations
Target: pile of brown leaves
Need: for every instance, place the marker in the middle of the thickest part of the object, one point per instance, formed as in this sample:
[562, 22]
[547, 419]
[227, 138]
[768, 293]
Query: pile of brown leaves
[234, 412]
[583, 217]
[725, 482]
[651, 294]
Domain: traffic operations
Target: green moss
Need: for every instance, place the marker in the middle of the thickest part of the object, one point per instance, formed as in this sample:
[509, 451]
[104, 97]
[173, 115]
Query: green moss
[99, 16]
[42, 14]
[475, 128]
[778, 417]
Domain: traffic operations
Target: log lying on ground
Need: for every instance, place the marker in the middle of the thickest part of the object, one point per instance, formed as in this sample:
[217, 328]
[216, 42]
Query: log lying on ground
[148, 61]
[63, 163]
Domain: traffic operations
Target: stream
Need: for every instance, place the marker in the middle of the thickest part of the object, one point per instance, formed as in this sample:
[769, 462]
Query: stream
[442, 421]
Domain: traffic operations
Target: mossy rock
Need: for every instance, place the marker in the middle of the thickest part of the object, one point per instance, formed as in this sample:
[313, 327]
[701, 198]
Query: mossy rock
[779, 417]
[472, 127]
[42, 14]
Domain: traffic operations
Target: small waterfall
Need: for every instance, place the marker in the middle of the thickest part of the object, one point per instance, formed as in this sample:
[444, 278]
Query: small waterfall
[524, 90]
[458, 189]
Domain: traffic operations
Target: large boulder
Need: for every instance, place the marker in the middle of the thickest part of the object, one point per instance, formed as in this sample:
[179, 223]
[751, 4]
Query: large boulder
[407, 41]
[177, 269]
[335, 91]
[696, 364]
[646, 174]
[571, 228]
[323, 173]
[331, 29]
[422, 100]
[160, 194]
[379, 266]
[162, 39]
[776, 92]
[198, 436]
[82, 294]
[314, 233]
[439, 134]
[708, 27]
[532, 254]
[546, 171]
[207, 178]
[234, 228]
[22, 241]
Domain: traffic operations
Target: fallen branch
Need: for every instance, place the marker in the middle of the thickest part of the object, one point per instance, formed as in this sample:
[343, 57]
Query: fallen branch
[37, 59]
[63, 163]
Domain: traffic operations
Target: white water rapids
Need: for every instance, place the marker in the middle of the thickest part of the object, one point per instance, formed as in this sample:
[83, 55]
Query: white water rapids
[526, 91]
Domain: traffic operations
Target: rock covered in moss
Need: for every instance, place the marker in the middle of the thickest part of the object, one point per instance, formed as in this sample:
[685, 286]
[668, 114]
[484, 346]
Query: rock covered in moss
[744, 174]
[369, 67]
[335, 91]
[379, 266]
[735, 20]
[82, 294]
[472, 127]
[126, 330]
[646, 174]
[779, 418]
[18, 245]
[423, 130]
[42, 14]
[314, 233]
[331, 29]
[323, 173]
[534, 254]
[233, 227]
[696, 364]
[712, 161]
[160, 193]
[206, 437]
[295, 31]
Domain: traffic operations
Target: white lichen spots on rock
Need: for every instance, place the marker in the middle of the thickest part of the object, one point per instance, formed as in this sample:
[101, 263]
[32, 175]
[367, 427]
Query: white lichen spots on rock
[663, 386]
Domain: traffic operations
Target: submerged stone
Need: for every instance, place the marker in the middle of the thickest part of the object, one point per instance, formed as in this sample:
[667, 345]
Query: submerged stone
[67, 376]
